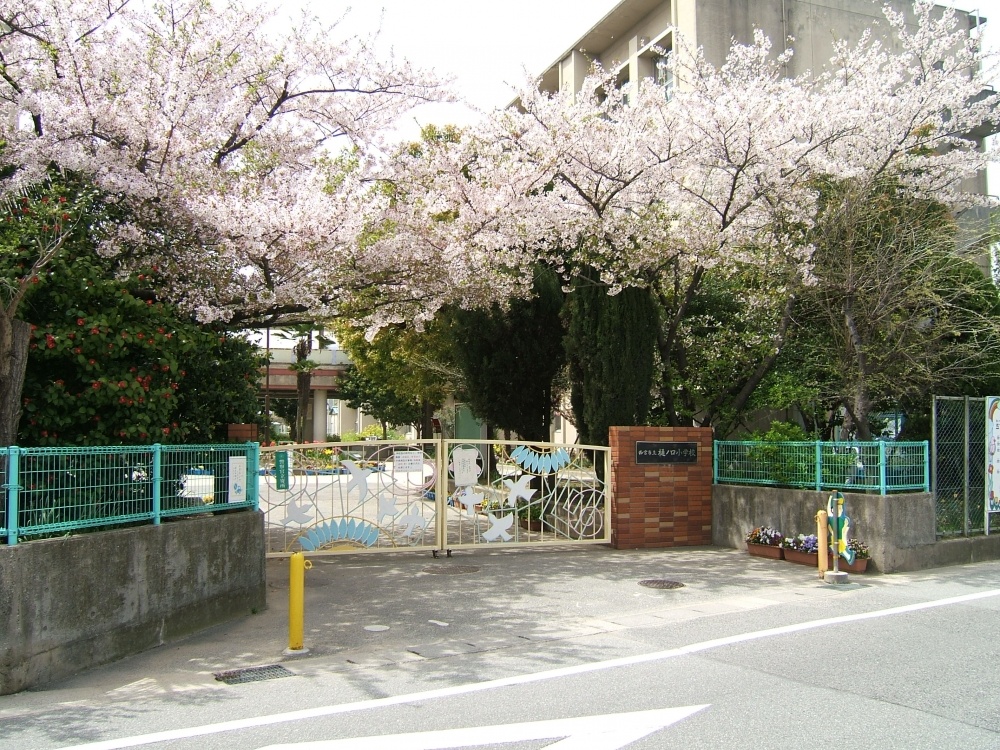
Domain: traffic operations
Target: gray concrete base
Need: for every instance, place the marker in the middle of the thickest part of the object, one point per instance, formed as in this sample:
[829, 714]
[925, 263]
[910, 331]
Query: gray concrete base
[839, 577]
[75, 602]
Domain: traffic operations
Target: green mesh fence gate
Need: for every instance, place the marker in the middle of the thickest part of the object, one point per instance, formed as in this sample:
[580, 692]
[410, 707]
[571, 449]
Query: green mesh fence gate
[959, 461]
[53, 491]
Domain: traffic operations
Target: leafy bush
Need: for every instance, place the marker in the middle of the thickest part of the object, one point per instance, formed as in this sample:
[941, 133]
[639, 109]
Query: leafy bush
[782, 464]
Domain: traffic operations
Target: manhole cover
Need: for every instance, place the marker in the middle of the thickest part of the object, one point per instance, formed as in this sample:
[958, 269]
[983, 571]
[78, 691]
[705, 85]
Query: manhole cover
[252, 674]
[660, 583]
[451, 570]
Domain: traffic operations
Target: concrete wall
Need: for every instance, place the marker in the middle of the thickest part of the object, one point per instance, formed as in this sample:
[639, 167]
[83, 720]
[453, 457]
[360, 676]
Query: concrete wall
[900, 530]
[72, 603]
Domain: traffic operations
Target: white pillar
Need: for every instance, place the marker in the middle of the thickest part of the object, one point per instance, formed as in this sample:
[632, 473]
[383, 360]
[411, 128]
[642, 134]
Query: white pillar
[319, 415]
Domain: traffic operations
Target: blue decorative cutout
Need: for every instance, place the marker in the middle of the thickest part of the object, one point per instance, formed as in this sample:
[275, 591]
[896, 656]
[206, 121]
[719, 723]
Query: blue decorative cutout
[360, 532]
[540, 463]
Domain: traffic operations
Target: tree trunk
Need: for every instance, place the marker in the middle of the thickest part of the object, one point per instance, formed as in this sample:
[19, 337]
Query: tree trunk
[861, 412]
[426, 420]
[14, 339]
[303, 381]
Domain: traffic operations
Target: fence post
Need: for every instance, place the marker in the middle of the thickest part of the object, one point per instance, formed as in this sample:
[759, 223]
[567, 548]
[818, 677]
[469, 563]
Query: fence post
[253, 474]
[927, 469]
[819, 465]
[965, 470]
[881, 467]
[156, 483]
[608, 489]
[13, 492]
[715, 462]
[441, 496]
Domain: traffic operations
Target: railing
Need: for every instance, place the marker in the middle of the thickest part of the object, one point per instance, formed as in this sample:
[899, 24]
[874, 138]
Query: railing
[877, 466]
[58, 490]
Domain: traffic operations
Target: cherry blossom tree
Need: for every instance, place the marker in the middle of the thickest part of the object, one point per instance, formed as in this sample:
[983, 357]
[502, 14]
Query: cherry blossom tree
[722, 177]
[240, 148]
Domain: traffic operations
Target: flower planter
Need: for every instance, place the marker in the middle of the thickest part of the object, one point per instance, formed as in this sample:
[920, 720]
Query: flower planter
[765, 550]
[812, 559]
[802, 558]
[860, 565]
[530, 524]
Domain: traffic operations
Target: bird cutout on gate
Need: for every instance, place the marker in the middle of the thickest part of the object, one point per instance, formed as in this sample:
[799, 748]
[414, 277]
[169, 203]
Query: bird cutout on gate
[413, 521]
[386, 507]
[359, 480]
[469, 499]
[297, 514]
[498, 527]
[519, 489]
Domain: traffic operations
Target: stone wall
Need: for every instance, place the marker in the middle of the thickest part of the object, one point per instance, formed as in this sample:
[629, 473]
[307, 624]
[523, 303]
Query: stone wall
[75, 602]
[900, 530]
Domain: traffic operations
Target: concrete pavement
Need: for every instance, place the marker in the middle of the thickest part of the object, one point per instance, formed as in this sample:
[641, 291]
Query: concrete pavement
[365, 610]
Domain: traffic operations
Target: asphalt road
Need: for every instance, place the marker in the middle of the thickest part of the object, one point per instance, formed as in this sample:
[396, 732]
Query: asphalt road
[562, 648]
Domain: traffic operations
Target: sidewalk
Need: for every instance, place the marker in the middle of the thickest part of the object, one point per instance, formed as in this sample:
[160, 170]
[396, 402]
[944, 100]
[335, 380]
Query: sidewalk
[366, 610]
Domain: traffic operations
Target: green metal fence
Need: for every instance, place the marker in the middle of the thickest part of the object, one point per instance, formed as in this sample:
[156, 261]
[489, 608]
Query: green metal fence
[878, 466]
[57, 490]
[959, 461]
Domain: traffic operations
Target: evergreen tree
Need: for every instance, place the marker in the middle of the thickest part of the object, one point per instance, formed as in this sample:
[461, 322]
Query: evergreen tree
[611, 343]
[510, 358]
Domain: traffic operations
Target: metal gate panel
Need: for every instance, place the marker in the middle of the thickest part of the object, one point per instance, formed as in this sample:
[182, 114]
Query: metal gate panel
[359, 497]
[379, 496]
[959, 461]
[504, 492]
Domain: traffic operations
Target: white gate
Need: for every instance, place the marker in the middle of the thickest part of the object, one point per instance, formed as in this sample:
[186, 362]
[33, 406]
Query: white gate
[436, 495]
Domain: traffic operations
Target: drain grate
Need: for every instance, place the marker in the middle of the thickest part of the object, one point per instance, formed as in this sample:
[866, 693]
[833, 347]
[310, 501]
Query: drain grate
[451, 570]
[252, 674]
[660, 583]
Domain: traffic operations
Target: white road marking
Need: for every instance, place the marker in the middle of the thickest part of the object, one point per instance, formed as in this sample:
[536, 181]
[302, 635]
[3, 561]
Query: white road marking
[607, 732]
[694, 648]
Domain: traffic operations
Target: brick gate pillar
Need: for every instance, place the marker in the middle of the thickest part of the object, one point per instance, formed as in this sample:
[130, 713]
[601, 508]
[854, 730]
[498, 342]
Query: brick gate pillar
[661, 486]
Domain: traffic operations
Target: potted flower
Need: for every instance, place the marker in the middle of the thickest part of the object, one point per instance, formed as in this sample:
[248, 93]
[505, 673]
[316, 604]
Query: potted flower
[861, 556]
[764, 542]
[529, 515]
[802, 549]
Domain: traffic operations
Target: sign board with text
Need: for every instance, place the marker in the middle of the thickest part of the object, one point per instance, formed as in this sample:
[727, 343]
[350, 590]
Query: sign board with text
[665, 453]
[281, 470]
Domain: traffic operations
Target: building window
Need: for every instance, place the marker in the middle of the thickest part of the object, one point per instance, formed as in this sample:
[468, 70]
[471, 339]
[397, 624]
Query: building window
[664, 67]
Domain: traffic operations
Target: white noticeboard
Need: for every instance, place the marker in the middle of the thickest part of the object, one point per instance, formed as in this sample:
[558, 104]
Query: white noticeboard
[237, 479]
[406, 461]
[465, 466]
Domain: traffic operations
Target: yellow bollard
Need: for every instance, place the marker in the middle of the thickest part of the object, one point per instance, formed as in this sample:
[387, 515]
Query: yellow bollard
[823, 537]
[297, 567]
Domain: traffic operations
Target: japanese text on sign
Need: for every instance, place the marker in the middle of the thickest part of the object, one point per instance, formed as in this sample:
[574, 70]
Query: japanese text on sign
[666, 453]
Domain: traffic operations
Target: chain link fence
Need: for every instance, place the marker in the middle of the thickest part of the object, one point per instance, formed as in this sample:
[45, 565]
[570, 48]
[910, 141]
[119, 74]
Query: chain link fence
[959, 461]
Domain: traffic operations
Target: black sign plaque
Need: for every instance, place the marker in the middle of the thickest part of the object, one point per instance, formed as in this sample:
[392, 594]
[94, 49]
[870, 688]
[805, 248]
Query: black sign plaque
[666, 453]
